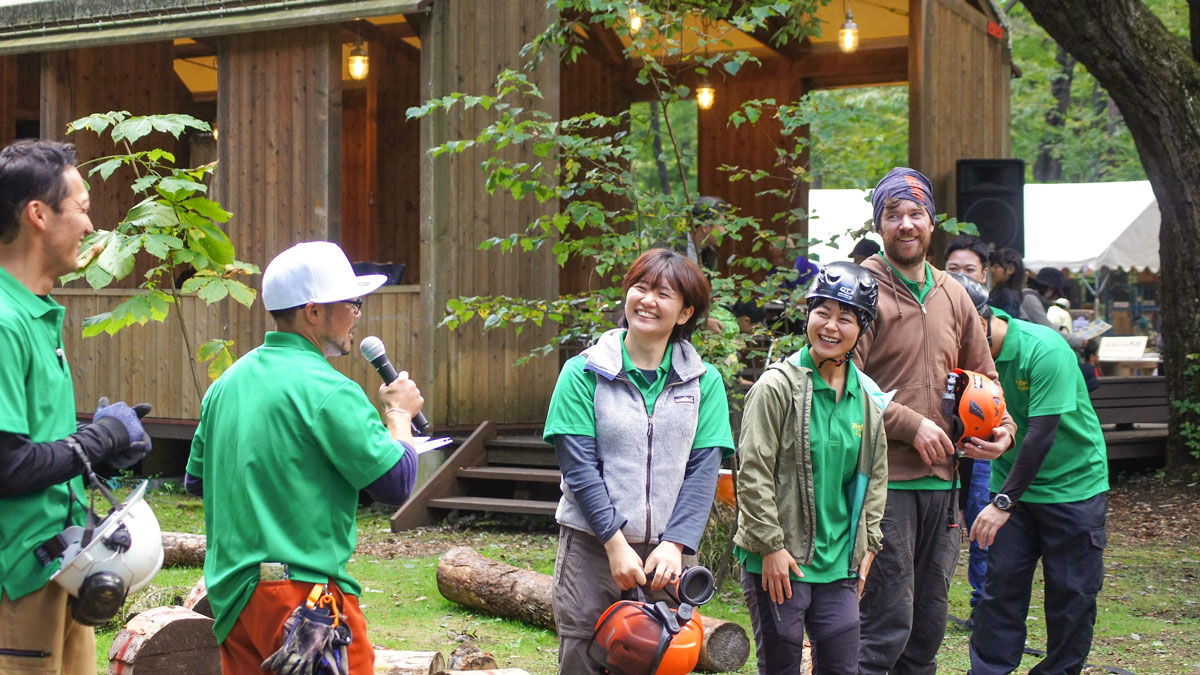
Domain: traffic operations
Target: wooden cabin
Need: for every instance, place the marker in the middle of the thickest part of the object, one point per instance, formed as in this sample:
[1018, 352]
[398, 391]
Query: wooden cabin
[306, 152]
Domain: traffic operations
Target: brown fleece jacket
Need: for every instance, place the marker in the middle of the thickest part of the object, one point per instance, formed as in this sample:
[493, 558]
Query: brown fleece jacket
[911, 348]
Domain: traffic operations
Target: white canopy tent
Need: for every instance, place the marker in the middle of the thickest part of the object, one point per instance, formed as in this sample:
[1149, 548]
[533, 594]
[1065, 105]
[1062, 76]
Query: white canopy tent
[1085, 227]
[1082, 227]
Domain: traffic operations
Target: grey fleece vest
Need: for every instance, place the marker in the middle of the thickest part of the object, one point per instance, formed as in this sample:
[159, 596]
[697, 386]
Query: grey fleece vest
[642, 458]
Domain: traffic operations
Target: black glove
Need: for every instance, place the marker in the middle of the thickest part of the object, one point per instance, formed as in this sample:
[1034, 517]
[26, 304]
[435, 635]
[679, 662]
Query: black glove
[308, 633]
[123, 457]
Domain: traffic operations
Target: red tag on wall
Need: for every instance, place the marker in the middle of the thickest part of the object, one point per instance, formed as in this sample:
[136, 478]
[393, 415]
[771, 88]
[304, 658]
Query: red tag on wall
[995, 30]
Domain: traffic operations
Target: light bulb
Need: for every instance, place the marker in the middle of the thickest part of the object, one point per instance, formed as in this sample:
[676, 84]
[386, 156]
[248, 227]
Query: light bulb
[635, 20]
[848, 35]
[705, 96]
[358, 63]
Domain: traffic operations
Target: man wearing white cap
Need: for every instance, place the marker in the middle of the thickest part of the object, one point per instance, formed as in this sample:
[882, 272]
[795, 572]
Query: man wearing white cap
[284, 445]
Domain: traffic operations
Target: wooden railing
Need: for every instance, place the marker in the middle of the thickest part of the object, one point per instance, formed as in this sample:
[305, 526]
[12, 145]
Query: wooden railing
[149, 363]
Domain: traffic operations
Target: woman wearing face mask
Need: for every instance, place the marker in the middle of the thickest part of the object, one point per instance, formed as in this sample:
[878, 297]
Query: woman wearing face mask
[639, 424]
[813, 484]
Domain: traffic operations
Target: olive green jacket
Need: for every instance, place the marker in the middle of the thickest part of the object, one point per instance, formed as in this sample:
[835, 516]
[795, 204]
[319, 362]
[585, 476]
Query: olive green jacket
[776, 507]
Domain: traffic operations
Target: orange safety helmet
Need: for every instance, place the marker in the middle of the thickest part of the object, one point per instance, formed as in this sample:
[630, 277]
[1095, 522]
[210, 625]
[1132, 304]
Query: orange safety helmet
[636, 637]
[974, 403]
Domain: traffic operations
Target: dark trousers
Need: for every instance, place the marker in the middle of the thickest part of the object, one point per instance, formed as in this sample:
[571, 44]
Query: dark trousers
[907, 595]
[583, 589]
[978, 497]
[828, 612]
[1070, 539]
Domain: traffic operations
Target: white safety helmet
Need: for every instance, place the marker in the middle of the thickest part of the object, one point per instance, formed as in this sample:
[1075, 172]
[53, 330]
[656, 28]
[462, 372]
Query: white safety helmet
[120, 555]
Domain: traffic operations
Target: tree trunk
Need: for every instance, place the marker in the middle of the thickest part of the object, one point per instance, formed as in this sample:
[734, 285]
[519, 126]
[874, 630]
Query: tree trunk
[1154, 78]
[166, 640]
[496, 588]
[183, 550]
[1047, 168]
[499, 589]
[664, 181]
[398, 662]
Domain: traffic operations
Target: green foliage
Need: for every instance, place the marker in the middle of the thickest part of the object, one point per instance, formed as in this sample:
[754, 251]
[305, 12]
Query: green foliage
[175, 223]
[1189, 406]
[858, 134]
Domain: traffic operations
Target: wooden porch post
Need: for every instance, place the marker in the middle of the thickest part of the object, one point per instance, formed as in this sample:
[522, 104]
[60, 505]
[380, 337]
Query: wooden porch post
[469, 374]
[958, 96]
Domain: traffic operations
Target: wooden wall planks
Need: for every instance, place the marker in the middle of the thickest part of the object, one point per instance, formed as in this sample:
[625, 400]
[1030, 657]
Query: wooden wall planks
[472, 374]
[148, 363]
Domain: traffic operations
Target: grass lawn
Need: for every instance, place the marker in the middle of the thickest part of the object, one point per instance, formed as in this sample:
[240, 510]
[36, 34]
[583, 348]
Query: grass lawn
[1149, 619]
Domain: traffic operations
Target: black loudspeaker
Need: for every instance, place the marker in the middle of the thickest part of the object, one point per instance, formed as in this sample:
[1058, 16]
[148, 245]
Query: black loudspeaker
[991, 194]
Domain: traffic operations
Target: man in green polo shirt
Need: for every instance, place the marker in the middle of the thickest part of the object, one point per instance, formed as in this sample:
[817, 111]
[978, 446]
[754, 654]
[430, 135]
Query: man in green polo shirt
[284, 445]
[1049, 501]
[43, 218]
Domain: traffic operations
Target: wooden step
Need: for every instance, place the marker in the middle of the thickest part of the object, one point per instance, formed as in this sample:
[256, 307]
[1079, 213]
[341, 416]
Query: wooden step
[528, 441]
[528, 506]
[513, 473]
[523, 456]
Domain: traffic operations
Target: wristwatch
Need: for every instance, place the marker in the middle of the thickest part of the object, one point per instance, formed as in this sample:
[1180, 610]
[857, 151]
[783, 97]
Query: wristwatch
[1002, 502]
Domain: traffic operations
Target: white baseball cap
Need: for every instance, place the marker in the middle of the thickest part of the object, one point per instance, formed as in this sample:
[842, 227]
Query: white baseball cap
[313, 271]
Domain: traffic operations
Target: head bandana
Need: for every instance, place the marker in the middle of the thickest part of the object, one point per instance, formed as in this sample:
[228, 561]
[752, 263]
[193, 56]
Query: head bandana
[902, 183]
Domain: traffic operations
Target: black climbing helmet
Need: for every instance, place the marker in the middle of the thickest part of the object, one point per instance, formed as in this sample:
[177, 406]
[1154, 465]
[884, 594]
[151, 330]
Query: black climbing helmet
[979, 294]
[849, 284]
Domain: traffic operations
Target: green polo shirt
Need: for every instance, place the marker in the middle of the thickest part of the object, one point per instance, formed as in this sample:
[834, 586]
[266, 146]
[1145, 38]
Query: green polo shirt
[1040, 376]
[919, 291]
[835, 439]
[37, 400]
[572, 406]
[285, 443]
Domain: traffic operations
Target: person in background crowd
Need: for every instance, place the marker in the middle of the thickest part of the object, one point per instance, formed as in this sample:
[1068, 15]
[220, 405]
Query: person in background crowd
[1059, 315]
[926, 326]
[968, 255]
[1049, 284]
[865, 248]
[43, 218]
[708, 224]
[1006, 273]
[1089, 365]
[812, 485]
[639, 424]
[1050, 504]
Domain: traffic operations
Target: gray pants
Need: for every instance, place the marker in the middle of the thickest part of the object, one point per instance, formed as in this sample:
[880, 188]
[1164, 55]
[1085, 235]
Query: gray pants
[827, 612]
[583, 589]
[906, 599]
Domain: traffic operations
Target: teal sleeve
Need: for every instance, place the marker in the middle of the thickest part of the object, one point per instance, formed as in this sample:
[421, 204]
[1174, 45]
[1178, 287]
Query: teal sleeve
[712, 426]
[572, 406]
[353, 438]
[14, 411]
[1051, 381]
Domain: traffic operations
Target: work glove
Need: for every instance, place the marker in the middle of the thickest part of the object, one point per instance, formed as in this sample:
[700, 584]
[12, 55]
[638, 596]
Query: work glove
[130, 418]
[308, 633]
[335, 659]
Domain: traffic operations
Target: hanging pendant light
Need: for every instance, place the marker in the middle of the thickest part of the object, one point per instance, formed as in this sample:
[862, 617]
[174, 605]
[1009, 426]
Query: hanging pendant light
[706, 95]
[358, 62]
[848, 35]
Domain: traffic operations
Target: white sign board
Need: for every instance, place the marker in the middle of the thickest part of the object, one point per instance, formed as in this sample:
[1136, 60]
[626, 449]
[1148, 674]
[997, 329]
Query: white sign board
[1129, 348]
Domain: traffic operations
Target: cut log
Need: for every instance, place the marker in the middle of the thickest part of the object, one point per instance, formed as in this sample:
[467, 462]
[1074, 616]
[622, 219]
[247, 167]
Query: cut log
[400, 662]
[181, 549]
[467, 656]
[494, 671]
[197, 599]
[499, 589]
[496, 588]
[166, 640]
[725, 647]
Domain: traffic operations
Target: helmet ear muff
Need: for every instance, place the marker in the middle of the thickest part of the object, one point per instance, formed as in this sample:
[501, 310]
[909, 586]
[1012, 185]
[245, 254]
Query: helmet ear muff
[100, 598]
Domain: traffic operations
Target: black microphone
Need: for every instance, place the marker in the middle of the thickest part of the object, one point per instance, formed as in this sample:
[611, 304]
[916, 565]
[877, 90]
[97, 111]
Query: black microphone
[373, 350]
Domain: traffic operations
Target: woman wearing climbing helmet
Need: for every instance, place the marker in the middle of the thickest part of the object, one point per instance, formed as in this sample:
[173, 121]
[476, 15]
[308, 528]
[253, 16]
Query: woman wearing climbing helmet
[813, 483]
